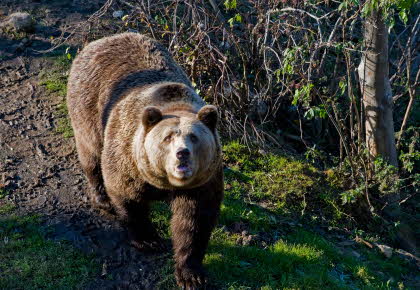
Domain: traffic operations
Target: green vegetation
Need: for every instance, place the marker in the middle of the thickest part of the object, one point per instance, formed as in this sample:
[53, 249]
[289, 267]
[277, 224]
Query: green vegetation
[260, 243]
[14, 34]
[55, 81]
[282, 184]
[28, 260]
[3, 192]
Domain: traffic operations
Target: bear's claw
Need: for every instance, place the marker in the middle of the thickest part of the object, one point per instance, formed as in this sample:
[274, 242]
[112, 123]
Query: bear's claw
[190, 278]
[103, 202]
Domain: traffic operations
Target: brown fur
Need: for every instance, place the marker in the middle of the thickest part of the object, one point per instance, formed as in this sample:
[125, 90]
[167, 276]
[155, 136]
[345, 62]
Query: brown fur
[120, 90]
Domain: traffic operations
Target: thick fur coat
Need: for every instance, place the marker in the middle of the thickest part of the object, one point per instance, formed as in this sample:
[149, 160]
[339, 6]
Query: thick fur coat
[143, 134]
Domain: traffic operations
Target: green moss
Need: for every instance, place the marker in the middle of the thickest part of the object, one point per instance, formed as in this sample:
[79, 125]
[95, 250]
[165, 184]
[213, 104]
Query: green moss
[280, 182]
[3, 192]
[55, 81]
[302, 260]
[255, 218]
[63, 124]
[55, 77]
[28, 260]
[6, 208]
[14, 34]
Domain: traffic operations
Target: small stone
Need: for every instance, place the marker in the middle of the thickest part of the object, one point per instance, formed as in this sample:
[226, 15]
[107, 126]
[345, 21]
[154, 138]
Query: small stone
[118, 14]
[42, 199]
[40, 150]
[21, 22]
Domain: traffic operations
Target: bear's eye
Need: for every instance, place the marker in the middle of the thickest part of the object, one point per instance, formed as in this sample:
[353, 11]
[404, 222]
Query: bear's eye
[168, 138]
[193, 138]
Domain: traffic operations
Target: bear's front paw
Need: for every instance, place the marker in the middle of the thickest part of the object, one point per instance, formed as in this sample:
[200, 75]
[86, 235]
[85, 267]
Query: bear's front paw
[100, 200]
[190, 278]
[103, 203]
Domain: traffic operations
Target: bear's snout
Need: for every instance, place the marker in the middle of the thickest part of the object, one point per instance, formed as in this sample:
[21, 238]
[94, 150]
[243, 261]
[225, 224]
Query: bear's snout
[183, 154]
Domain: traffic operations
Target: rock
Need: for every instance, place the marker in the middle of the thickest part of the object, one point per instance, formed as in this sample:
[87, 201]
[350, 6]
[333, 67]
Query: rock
[21, 22]
[40, 150]
[118, 14]
[247, 239]
[42, 200]
[386, 250]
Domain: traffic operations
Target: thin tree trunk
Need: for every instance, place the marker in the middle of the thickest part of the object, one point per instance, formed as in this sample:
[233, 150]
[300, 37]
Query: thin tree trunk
[376, 90]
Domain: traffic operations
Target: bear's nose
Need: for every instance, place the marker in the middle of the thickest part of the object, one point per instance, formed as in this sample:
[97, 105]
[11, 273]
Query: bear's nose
[183, 153]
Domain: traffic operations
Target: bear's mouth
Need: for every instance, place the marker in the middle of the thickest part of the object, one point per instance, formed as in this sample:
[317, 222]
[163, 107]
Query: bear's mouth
[184, 170]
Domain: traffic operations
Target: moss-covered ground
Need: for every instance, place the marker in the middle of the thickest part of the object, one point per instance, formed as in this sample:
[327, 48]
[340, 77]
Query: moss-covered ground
[29, 260]
[55, 82]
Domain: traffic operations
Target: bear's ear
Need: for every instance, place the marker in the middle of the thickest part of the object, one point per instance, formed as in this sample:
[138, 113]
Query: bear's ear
[151, 116]
[209, 116]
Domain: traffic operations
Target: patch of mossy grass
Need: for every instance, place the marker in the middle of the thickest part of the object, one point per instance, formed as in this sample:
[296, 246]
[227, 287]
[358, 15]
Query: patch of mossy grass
[284, 254]
[299, 259]
[55, 81]
[3, 192]
[28, 260]
[281, 183]
[15, 35]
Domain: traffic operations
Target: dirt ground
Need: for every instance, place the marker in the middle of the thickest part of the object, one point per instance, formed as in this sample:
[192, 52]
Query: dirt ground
[41, 167]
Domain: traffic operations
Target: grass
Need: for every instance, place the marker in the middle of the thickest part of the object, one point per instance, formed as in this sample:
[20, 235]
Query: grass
[297, 260]
[14, 34]
[287, 186]
[55, 81]
[3, 191]
[283, 253]
[28, 260]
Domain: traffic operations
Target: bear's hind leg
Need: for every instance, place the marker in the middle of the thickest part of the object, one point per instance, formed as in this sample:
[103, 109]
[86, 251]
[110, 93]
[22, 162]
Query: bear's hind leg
[142, 234]
[91, 165]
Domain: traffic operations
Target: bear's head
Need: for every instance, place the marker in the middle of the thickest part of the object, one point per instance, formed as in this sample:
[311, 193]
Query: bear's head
[181, 147]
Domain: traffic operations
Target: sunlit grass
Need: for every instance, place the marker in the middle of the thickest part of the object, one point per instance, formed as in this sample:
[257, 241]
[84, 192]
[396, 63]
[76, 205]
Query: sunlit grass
[28, 260]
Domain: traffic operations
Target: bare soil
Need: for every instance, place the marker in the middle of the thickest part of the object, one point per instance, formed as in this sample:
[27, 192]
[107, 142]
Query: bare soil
[40, 167]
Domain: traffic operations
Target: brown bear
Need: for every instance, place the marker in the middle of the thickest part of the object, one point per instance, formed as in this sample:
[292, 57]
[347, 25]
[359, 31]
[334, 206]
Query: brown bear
[143, 134]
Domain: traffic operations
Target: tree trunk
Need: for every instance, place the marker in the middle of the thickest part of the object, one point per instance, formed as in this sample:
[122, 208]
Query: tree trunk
[376, 90]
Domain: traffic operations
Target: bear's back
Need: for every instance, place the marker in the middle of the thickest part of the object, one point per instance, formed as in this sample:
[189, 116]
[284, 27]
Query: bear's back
[108, 70]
